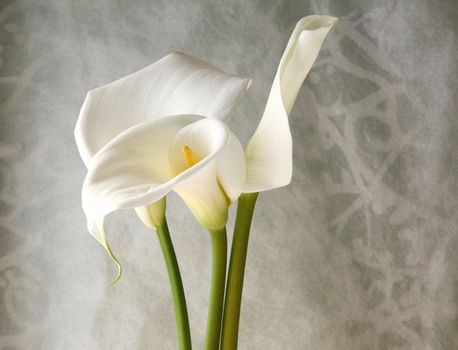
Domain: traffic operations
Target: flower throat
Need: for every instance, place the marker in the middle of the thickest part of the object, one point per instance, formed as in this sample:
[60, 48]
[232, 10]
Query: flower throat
[189, 156]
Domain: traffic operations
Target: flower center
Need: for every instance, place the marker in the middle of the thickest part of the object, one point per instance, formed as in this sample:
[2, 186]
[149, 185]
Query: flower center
[189, 156]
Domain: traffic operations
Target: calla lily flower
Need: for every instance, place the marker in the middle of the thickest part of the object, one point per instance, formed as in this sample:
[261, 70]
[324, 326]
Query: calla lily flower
[164, 128]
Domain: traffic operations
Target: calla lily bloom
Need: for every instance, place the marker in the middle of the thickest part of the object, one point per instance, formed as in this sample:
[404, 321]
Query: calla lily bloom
[164, 128]
[132, 135]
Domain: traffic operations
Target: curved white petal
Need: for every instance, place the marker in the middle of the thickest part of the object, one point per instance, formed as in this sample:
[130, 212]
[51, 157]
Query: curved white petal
[131, 171]
[176, 84]
[269, 152]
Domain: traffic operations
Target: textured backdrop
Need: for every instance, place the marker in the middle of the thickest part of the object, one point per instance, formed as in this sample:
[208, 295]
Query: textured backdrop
[358, 253]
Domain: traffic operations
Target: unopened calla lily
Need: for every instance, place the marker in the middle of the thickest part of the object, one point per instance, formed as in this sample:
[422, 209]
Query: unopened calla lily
[164, 128]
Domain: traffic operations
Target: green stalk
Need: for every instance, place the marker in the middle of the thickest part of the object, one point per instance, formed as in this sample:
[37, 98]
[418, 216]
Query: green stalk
[179, 301]
[215, 307]
[236, 272]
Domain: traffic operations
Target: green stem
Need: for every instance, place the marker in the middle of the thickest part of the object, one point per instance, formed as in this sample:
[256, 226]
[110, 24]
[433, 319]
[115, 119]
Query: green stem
[215, 307]
[236, 272]
[179, 301]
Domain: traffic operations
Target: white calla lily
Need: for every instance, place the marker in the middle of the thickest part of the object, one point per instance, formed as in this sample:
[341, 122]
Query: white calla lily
[269, 152]
[147, 134]
[141, 165]
[176, 84]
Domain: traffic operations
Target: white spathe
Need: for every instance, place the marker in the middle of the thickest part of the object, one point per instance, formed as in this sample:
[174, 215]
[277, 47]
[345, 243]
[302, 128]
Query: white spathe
[269, 152]
[175, 84]
[131, 135]
[145, 162]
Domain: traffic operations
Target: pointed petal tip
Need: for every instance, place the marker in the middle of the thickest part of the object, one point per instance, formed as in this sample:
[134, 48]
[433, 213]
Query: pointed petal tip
[118, 264]
[336, 23]
[95, 227]
[315, 22]
[333, 20]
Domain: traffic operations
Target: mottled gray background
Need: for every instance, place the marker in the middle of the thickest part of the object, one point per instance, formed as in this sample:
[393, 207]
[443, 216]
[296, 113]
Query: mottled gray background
[358, 253]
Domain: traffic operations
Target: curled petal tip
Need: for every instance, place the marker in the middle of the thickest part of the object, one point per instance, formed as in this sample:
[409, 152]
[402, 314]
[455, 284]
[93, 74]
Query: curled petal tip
[118, 264]
[334, 21]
